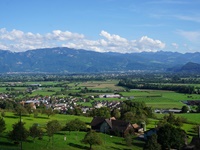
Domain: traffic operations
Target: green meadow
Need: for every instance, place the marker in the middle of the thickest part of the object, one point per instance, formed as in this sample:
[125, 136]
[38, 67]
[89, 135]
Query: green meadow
[73, 139]
[160, 99]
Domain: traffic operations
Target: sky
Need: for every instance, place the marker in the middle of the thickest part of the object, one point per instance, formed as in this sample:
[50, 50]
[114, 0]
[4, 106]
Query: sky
[124, 26]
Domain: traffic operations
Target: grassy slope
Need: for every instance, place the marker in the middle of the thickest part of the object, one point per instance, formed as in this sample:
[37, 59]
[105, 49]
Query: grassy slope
[72, 140]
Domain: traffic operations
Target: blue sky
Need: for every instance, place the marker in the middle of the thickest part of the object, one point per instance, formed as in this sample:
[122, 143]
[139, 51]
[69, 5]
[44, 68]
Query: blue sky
[101, 25]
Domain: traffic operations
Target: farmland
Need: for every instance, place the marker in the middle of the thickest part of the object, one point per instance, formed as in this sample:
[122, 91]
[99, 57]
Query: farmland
[87, 94]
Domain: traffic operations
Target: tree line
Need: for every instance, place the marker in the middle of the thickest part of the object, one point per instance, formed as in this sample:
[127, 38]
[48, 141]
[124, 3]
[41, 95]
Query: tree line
[171, 87]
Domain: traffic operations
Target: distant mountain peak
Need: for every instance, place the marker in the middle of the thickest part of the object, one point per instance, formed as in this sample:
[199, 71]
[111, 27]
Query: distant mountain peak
[63, 59]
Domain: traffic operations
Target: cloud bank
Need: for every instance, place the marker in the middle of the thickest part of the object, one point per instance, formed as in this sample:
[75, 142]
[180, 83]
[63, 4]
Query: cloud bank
[18, 41]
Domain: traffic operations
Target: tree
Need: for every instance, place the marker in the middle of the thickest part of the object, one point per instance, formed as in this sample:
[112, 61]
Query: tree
[35, 113]
[129, 139]
[2, 125]
[9, 105]
[129, 117]
[137, 110]
[116, 113]
[53, 127]
[48, 112]
[3, 113]
[172, 119]
[92, 138]
[184, 109]
[35, 131]
[77, 111]
[152, 143]
[75, 125]
[20, 110]
[171, 137]
[196, 129]
[103, 112]
[29, 108]
[19, 132]
[198, 109]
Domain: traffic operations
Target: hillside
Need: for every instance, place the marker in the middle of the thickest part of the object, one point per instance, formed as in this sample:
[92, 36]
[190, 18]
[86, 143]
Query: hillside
[67, 60]
[191, 67]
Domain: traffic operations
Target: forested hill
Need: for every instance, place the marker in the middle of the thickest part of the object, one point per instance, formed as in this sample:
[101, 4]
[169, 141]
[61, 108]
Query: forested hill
[191, 67]
[59, 60]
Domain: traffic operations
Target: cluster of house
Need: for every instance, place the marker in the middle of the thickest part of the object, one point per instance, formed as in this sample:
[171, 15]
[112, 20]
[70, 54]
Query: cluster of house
[62, 105]
[111, 104]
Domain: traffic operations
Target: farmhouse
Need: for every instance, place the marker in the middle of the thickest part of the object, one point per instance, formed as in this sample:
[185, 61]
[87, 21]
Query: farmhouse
[111, 126]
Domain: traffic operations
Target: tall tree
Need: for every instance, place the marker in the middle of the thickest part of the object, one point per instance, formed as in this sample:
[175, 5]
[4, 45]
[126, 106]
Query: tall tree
[152, 143]
[35, 131]
[138, 109]
[53, 127]
[19, 132]
[92, 138]
[2, 125]
[171, 137]
[3, 113]
[20, 110]
[29, 108]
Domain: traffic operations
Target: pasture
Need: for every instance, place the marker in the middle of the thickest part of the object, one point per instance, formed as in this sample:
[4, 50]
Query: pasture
[73, 139]
[160, 99]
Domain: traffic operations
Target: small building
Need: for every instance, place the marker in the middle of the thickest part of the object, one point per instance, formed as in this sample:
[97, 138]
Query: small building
[111, 126]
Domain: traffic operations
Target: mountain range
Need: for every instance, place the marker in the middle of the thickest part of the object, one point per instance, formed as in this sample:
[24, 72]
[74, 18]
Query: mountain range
[68, 60]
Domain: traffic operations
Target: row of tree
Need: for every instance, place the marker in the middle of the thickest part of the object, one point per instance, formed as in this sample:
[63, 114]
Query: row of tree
[177, 88]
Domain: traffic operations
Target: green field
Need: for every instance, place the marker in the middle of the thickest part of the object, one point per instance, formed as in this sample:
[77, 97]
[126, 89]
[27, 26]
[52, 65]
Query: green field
[153, 98]
[160, 99]
[101, 85]
[73, 139]
[72, 142]
[193, 118]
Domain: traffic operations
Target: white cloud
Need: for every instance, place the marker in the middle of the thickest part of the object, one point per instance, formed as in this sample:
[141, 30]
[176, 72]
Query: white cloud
[148, 44]
[189, 18]
[112, 38]
[193, 36]
[17, 40]
[175, 45]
